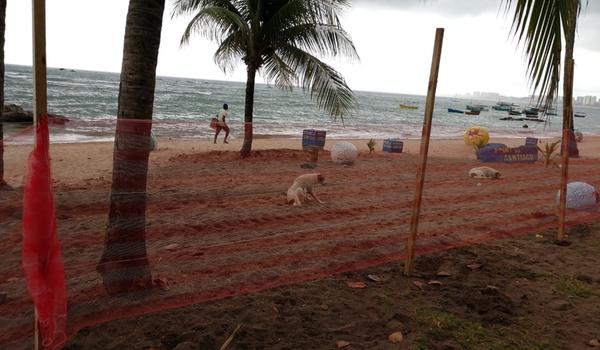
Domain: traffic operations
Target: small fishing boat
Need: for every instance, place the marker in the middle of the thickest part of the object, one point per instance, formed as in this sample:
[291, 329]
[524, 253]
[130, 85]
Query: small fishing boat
[504, 106]
[406, 106]
[530, 114]
[579, 114]
[513, 112]
[511, 118]
[531, 110]
[472, 112]
[534, 119]
[452, 110]
[480, 108]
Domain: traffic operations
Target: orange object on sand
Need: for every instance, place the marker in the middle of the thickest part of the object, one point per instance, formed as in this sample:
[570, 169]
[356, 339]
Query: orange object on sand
[214, 122]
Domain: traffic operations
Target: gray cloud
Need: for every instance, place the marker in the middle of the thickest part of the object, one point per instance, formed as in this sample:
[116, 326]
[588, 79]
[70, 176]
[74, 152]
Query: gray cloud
[588, 33]
[456, 7]
[442, 7]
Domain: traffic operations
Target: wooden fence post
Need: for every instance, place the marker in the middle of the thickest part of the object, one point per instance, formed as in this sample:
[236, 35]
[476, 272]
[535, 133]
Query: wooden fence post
[567, 118]
[40, 94]
[416, 208]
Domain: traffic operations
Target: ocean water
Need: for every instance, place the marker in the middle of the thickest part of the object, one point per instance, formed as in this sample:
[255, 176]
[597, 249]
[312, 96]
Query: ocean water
[183, 107]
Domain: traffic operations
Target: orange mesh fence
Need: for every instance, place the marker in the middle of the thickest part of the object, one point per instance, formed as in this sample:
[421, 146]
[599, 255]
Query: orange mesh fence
[218, 226]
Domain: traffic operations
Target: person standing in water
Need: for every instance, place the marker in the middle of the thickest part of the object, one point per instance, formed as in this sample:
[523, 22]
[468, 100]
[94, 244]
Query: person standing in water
[222, 123]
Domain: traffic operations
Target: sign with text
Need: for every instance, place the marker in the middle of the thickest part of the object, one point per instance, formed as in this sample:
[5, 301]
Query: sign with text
[313, 138]
[503, 154]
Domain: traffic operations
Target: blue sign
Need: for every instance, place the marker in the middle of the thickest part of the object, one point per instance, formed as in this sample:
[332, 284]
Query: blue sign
[393, 146]
[500, 153]
[313, 138]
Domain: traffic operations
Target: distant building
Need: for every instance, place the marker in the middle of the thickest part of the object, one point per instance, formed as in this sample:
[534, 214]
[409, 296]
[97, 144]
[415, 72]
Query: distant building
[486, 95]
[586, 100]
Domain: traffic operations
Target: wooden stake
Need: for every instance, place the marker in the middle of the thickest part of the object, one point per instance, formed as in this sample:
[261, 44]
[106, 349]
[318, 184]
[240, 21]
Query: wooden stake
[567, 115]
[416, 208]
[40, 94]
[230, 338]
[36, 330]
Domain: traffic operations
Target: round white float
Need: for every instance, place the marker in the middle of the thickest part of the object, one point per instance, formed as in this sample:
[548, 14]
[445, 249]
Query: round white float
[344, 152]
[580, 195]
[578, 136]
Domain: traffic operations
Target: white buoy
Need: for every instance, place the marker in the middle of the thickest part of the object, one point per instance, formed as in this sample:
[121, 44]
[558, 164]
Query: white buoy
[344, 152]
[580, 196]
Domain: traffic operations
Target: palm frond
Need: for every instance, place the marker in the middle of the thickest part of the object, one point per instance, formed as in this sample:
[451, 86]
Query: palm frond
[215, 23]
[322, 39]
[277, 70]
[229, 53]
[281, 39]
[186, 7]
[325, 84]
[539, 25]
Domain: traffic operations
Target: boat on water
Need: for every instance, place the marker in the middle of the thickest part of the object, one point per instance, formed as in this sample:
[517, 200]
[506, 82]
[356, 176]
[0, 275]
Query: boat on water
[521, 119]
[407, 106]
[531, 110]
[480, 108]
[513, 112]
[452, 110]
[534, 119]
[579, 114]
[472, 112]
[511, 118]
[530, 113]
[504, 106]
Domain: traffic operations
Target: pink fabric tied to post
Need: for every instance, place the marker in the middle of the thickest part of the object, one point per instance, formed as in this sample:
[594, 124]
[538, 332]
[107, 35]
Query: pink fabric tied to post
[42, 260]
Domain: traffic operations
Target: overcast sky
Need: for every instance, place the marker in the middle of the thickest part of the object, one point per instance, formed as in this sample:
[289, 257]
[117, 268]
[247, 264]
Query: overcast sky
[394, 39]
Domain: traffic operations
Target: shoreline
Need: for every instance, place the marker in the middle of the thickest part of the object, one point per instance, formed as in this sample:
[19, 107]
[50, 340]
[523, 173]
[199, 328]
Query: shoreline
[77, 162]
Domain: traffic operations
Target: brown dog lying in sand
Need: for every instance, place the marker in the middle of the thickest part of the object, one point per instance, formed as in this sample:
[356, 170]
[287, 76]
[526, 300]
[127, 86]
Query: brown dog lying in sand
[303, 186]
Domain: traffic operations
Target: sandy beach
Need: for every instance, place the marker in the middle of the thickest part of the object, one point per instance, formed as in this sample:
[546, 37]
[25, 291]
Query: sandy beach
[80, 161]
[223, 244]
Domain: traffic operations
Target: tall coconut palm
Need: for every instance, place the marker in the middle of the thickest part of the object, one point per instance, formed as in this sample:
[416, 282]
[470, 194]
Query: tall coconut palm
[541, 26]
[280, 39]
[2, 31]
[124, 263]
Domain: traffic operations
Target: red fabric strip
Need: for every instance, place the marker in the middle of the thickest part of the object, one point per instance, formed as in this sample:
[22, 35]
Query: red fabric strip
[42, 260]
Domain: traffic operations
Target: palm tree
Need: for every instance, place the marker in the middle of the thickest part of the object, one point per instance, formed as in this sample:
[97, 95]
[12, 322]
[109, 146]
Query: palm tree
[124, 264]
[541, 24]
[280, 39]
[2, 30]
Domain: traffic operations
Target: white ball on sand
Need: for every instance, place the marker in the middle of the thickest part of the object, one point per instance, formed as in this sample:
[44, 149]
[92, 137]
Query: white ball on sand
[580, 195]
[578, 136]
[344, 152]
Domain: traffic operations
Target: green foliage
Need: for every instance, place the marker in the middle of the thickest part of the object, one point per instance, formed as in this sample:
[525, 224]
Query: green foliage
[569, 285]
[548, 152]
[448, 328]
[371, 144]
[540, 25]
[280, 39]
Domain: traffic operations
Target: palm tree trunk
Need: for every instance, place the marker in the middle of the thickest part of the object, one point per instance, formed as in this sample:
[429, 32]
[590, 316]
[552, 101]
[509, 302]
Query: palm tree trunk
[2, 31]
[248, 111]
[568, 92]
[124, 263]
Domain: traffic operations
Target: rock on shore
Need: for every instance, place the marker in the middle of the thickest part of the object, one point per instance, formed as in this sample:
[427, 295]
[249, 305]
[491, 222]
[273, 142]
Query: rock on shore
[16, 114]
